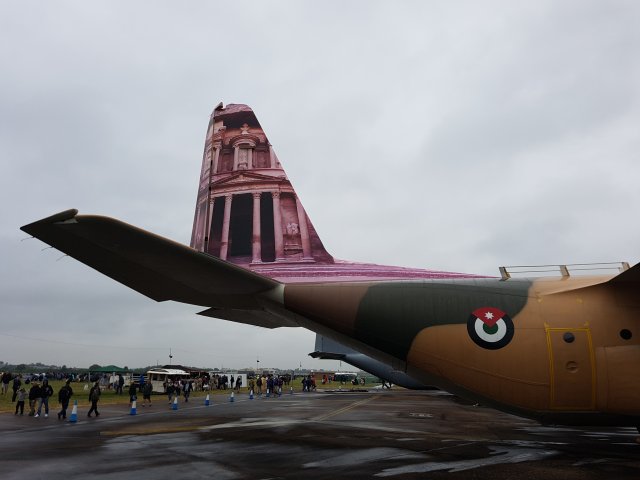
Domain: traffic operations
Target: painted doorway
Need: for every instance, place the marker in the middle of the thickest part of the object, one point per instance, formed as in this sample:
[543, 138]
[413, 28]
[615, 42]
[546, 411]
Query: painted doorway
[572, 368]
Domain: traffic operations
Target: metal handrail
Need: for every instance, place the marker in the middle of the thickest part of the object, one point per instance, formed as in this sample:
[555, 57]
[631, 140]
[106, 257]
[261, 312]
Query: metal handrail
[565, 271]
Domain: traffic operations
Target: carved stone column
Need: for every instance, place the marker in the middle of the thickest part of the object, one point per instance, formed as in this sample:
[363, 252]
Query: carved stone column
[224, 241]
[256, 236]
[216, 157]
[207, 223]
[197, 235]
[235, 157]
[272, 158]
[304, 231]
[250, 158]
[277, 227]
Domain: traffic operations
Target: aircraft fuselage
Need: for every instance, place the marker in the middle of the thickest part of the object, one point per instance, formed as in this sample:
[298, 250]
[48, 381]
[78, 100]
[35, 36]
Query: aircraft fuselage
[562, 353]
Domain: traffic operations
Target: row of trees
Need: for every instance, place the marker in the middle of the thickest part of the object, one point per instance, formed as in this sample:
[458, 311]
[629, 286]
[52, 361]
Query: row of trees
[39, 367]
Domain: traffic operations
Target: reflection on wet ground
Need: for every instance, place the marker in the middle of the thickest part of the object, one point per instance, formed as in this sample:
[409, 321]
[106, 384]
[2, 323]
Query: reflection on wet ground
[396, 434]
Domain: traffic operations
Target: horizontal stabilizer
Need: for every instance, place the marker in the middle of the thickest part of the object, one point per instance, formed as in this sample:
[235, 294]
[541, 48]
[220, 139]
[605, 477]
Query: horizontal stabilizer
[259, 317]
[329, 349]
[327, 355]
[155, 266]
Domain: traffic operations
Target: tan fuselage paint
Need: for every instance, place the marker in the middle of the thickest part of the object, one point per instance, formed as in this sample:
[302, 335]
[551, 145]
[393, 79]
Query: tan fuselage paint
[335, 304]
[538, 370]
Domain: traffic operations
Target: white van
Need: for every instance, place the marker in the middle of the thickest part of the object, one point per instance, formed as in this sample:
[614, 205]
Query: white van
[159, 377]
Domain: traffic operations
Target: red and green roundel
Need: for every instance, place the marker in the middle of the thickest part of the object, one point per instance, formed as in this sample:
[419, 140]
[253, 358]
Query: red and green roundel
[490, 328]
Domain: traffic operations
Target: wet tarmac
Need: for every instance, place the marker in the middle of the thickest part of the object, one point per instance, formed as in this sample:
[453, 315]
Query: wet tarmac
[376, 434]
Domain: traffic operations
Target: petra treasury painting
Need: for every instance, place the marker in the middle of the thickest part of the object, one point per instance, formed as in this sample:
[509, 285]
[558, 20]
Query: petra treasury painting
[248, 213]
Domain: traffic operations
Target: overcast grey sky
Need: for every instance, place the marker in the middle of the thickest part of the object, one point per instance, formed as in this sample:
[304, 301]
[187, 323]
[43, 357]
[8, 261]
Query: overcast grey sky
[455, 135]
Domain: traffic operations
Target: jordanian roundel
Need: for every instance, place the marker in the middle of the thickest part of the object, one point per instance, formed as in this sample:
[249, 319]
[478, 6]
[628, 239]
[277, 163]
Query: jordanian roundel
[490, 328]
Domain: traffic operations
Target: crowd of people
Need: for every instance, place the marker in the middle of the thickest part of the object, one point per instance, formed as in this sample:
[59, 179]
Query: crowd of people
[267, 383]
[38, 395]
[222, 382]
[260, 384]
[37, 391]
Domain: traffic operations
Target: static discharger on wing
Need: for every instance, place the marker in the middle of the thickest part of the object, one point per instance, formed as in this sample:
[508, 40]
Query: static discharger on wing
[562, 349]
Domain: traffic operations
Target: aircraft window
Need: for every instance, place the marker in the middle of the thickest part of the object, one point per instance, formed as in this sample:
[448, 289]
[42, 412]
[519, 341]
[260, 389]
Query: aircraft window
[568, 337]
[625, 334]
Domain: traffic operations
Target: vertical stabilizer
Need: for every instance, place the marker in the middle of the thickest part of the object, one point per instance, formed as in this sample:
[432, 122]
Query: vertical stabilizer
[247, 211]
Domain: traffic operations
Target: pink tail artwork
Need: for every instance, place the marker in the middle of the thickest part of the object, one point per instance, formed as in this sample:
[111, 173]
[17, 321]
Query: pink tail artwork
[248, 213]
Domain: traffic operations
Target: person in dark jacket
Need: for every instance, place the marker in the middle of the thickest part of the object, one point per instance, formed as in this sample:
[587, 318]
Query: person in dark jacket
[147, 389]
[133, 393]
[17, 382]
[170, 391]
[187, 388]
[64, 395]
[45, 392]
[6, 378]
[94, 397]
[34, 395]
[269, 385]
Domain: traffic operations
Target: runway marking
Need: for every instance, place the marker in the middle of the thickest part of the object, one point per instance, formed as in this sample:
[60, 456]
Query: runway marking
[343, 409]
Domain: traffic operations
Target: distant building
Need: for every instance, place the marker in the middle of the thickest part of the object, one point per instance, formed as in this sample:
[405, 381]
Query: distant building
[193, 372]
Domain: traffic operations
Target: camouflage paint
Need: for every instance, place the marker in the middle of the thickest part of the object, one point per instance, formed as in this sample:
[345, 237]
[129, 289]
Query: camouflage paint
[538, 374]
[392, 314]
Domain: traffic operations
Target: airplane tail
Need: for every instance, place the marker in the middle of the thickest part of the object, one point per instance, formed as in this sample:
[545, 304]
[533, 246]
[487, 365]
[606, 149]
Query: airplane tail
[247, 212]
